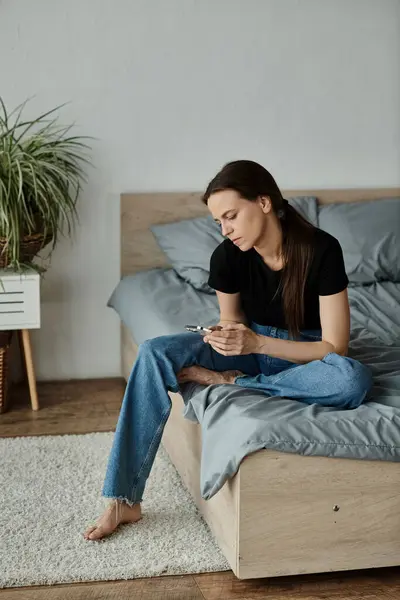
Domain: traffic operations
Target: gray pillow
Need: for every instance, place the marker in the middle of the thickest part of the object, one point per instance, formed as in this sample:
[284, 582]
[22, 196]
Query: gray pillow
[369, 233]
[307, 206]
[188, 244]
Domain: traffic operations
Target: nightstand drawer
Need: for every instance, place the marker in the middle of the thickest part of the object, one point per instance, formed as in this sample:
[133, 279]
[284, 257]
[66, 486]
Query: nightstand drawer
[19, 301]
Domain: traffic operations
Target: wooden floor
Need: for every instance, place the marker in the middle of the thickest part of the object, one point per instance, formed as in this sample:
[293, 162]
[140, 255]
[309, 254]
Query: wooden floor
[87, 406]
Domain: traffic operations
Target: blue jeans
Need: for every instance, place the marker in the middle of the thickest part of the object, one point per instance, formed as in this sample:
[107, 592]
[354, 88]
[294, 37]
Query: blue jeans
[335, 381]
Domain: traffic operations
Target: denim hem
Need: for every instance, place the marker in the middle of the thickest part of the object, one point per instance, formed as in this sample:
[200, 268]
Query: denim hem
[150, 456]
[149, 459]
[123, 499]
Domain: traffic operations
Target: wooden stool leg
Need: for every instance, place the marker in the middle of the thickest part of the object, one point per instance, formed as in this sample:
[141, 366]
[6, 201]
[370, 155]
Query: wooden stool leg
[26, 341]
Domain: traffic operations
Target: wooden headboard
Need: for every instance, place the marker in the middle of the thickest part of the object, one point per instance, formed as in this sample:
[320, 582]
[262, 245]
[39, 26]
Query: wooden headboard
[139, 250]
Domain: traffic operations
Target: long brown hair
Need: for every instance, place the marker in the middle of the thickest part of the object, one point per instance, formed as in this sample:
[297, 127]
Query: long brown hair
[251, 181]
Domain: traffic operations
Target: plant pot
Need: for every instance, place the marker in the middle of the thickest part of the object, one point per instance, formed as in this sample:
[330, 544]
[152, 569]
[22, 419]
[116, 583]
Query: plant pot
[30, 245]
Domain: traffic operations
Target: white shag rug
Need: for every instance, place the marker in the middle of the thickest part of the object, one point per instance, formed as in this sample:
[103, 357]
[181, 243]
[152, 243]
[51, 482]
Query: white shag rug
[50, 491]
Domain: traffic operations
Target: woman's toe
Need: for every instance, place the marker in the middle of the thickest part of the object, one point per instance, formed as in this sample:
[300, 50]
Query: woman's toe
[89, 531]
[96, 534]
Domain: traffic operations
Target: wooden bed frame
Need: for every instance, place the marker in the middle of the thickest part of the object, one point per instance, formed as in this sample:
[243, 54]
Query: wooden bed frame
[282, 514]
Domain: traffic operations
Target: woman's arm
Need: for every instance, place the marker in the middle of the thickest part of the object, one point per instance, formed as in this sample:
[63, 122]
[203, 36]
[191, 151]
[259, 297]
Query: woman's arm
[230, 309]
[335, 324]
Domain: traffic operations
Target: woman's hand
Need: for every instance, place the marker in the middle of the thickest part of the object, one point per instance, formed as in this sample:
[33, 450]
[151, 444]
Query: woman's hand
[233, 340]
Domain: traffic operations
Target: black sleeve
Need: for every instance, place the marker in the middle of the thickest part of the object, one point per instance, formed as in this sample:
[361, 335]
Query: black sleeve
[223, 271]
[332, 277]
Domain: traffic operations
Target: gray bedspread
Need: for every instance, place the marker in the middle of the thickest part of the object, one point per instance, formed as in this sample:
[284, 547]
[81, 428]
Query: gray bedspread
[236, 422]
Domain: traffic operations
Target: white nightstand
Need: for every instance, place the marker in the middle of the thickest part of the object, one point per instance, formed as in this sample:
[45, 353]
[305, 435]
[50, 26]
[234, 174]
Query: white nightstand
[20, 310]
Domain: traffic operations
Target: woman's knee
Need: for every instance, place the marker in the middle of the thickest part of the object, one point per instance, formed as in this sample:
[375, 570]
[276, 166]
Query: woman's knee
[147, 350]
[160, 343]
[151, 345]
[173, 348]
[353, 380]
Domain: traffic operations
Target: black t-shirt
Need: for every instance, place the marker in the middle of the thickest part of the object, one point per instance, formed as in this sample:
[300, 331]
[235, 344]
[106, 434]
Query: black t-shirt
[232, 271]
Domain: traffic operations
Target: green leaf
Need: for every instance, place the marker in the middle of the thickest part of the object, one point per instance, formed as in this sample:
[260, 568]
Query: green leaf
[42, 169]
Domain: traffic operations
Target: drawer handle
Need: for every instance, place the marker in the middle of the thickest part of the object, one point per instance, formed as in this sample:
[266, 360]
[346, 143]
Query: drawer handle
[15, 292]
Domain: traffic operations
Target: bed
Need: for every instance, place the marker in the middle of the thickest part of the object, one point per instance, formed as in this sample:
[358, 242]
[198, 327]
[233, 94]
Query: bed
[281, 513]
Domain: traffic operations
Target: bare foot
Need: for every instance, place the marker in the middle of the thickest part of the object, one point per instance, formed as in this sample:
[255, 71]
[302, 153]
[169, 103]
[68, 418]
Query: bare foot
[205, 376]
[115, 514]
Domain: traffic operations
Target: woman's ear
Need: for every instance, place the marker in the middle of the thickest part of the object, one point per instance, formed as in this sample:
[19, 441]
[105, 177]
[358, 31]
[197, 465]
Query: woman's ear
[265, 204]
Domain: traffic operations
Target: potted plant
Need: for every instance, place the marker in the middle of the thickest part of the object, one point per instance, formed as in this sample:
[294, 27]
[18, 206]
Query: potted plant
[41, 172]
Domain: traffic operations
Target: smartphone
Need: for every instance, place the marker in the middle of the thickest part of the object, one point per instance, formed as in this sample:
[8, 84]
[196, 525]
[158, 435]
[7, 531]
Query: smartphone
[197, 329]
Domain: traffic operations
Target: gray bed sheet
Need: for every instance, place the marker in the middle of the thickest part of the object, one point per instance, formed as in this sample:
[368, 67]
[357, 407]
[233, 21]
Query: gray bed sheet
[236, 422]
[159, 302]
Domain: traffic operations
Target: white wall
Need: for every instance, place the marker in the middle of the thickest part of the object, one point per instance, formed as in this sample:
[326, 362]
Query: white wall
[172, 89]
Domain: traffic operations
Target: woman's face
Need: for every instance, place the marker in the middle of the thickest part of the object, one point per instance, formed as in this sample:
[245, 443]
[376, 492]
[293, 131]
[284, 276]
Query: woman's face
[242, 221]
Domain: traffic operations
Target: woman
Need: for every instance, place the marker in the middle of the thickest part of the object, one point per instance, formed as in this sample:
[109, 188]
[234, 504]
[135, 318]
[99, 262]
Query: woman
[284, 328]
